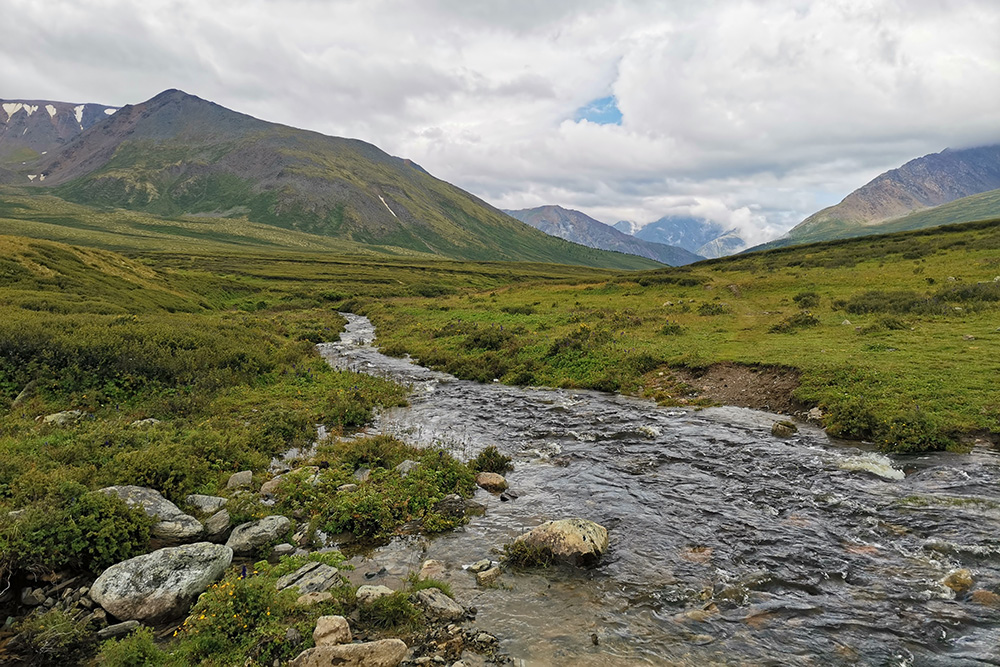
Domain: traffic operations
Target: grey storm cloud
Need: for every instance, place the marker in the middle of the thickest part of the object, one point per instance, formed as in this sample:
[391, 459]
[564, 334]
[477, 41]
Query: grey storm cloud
[754, 113]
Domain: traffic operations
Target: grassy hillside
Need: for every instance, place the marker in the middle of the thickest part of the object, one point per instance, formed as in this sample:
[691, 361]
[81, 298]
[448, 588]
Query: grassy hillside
[895, 337]
[177, 155]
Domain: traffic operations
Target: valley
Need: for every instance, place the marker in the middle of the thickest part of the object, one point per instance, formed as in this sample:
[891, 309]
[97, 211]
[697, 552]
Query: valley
[172, 301]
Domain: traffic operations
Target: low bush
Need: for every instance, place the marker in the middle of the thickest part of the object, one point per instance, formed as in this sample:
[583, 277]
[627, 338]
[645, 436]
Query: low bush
[801, 320]
[709, 309]
[390, 612]
[136, 650]
[522, 554]
[491, 460]
[806, 300]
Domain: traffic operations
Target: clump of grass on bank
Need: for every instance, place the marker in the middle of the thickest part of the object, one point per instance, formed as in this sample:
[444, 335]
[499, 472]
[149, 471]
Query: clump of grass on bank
[909, 366]
[387, 499]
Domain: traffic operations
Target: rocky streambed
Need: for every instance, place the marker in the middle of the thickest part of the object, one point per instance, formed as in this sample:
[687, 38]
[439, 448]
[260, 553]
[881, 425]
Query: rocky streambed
[728, 544]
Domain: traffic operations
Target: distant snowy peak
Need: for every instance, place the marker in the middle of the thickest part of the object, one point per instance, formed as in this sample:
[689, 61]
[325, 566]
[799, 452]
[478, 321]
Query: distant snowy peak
[697, 235]
[627, 227]
[29, 128]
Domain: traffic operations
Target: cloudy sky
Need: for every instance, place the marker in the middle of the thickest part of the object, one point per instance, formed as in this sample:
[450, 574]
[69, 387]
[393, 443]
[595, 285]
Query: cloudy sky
[750, 112]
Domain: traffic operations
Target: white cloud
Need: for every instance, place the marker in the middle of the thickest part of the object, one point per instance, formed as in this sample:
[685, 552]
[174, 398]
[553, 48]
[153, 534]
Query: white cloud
[753, 113]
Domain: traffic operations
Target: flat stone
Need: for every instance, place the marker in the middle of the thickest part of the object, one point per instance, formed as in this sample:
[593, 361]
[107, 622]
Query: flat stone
[367, 594]
[331, 631]
[161, 585]
[240, 480]
[480, 566]
[491, 481]
[310, 599]
[489, 578]
[431, 569]
[249, 537]
[32, 597]
[381, 653]
[206, 504]
[347, 488]
[64, 418]
[117, 630]
[438, 605]
[362, 474]
[313, 577]
[171, 523]
[283, 549]
[145, 423]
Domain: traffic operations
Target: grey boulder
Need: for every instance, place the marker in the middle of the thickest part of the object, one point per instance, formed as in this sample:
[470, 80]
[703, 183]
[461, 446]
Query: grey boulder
[171, 523]
[161, 585]
[248, 537]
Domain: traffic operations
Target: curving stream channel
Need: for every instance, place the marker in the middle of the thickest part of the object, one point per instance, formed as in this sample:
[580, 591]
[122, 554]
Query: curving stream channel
[728, 545]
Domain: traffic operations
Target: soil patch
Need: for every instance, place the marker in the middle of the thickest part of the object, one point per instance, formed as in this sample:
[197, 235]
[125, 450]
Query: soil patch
[760, 387]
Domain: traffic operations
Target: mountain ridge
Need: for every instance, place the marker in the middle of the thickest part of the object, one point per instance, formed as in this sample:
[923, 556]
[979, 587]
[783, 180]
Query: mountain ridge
[919, 184]
[177, 154]
[580, 228]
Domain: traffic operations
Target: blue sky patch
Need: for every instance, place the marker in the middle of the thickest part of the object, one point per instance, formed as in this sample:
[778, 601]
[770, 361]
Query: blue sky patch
[603, 111]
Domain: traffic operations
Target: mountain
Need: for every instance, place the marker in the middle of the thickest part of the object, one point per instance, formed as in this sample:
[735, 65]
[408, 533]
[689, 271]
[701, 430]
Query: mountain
[697, 235]
[179, 155]
[919, 184]
[30, 128]
[580, 228]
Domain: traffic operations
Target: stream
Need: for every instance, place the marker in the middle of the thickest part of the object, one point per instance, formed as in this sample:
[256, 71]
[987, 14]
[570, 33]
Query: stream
[728, 545]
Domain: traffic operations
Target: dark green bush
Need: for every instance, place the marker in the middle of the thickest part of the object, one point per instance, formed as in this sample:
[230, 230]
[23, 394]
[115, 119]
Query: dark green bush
[672, 329]
[714, 309]
[801, 320]
[491, 460]
[394, 612]
[806, 300]
[80, 530]
[137, 650]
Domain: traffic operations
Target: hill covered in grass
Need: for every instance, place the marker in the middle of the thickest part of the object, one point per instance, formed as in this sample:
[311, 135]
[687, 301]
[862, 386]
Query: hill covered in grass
[178, 155]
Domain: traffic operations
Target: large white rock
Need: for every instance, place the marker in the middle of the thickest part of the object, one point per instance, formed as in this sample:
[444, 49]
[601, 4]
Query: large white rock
[332, 630]
[382, 653]
[161, 585]
[171, 523]
[248, 537]
[577, 541]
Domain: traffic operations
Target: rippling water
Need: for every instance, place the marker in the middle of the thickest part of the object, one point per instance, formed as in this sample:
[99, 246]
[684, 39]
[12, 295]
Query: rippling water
[728, 545]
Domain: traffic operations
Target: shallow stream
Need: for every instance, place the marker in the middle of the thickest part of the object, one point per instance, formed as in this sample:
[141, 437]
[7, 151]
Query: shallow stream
[728, 545]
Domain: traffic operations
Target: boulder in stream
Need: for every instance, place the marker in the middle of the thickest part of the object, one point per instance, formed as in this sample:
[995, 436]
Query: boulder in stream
[576, 541]
[491, 481]
[784, 429]
[438, 605]
[160, 585]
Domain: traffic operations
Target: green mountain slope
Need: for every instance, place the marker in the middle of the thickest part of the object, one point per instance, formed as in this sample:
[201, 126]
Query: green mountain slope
[925, 182]
[179, 155]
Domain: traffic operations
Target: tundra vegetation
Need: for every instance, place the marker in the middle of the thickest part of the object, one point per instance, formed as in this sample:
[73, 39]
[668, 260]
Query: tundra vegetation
[894, 337]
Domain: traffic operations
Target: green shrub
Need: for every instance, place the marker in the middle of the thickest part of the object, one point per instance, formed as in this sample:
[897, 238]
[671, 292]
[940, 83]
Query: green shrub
[394, 612]
[708, 308]
[806, 300]
[795, 322]
[53, 637]
[136, 650]
[80, 530]
[671, 329]
[491, 460]
[522, 554]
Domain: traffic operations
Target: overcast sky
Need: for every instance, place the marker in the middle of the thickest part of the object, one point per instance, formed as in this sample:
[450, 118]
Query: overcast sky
[754, 113]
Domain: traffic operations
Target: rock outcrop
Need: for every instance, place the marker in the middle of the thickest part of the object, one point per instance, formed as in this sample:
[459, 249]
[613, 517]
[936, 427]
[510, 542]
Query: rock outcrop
[160, 585]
